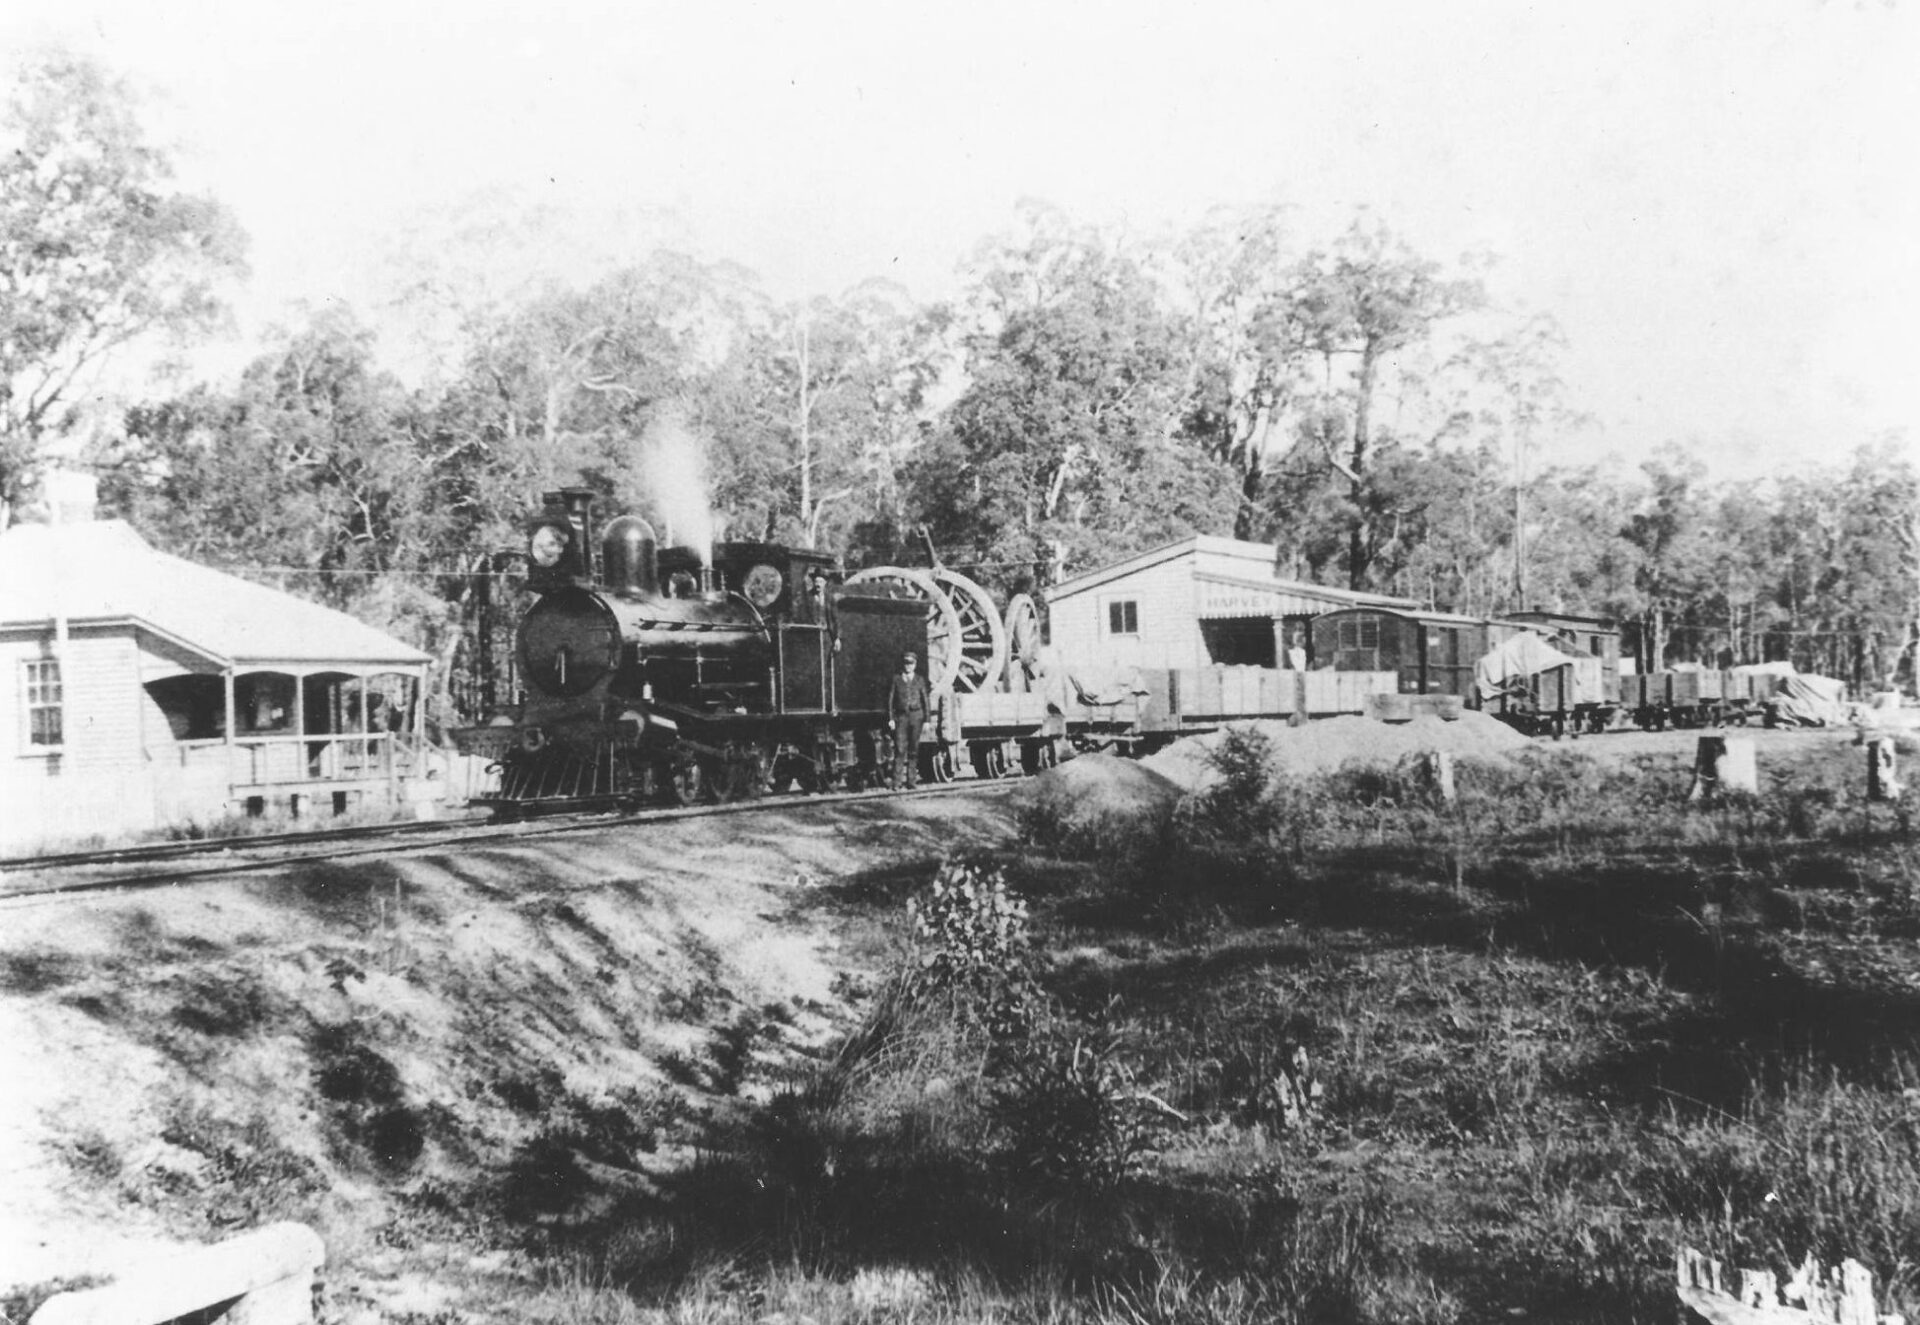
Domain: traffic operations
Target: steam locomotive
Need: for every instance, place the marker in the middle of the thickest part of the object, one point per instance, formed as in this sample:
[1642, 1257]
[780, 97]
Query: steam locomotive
[653, 672]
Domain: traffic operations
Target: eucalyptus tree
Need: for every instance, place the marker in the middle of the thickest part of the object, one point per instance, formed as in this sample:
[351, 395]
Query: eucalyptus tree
[847, 385]
[1064, 448]
[1248, 349]
[97, 251]
[1364, 304]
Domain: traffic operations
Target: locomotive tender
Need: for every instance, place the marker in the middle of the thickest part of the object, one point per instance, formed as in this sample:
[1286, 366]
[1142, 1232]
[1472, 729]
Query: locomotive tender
[650, 671]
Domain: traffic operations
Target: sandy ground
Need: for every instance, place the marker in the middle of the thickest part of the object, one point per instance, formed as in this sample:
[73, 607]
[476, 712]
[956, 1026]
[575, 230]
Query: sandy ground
[164, 1054]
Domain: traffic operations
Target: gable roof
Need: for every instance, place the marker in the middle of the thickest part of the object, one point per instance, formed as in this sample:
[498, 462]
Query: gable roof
[1255, 572]
[102, 571]
[1184, 547]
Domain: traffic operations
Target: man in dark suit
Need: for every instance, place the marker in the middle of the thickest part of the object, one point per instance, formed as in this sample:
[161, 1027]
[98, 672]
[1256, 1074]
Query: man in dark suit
[907, 705]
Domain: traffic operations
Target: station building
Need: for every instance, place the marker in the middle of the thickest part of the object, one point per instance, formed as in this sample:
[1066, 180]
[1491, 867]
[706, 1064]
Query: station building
[142, 691]
[1199, 602]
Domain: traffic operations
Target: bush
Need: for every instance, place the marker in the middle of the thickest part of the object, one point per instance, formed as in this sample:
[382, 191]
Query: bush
[969, 928]
[1068, 1112]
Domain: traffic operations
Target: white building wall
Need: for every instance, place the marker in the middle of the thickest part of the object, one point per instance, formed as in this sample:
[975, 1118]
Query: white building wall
[1168, 629]
[99, 781]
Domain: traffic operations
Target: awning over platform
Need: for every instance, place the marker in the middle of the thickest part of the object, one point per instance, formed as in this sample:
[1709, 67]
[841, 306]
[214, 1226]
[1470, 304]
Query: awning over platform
[1232, 597]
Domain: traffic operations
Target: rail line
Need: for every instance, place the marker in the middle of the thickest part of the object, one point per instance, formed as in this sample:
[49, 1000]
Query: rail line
[23, 880]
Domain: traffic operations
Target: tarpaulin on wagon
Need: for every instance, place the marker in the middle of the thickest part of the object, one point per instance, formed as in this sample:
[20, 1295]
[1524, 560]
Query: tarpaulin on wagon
[1810, 701]
[1105, 686]
[1523, 656]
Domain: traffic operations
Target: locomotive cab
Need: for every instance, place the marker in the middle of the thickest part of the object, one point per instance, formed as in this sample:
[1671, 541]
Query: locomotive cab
[782, 583]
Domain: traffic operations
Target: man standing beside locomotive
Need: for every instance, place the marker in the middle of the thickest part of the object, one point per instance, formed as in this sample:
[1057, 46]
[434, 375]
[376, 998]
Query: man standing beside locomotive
[907, 705]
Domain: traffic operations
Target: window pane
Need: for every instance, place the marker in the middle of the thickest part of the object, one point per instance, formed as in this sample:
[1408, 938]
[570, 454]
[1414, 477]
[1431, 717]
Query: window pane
[46, 726]
[43, 702]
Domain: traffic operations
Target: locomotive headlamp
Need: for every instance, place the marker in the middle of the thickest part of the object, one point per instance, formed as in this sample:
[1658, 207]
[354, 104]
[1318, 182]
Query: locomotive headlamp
[762, 585]
[547, 545]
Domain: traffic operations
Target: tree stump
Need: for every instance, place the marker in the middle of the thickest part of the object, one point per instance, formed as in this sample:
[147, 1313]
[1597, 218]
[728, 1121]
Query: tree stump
[1883, 782]
[1723, 766]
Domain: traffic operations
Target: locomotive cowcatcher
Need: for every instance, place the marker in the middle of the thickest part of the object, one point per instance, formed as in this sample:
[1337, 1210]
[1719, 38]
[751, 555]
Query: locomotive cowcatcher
[651, 672]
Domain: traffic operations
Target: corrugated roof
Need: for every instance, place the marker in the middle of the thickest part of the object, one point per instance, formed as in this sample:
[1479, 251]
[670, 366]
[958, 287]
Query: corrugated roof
[104, 571]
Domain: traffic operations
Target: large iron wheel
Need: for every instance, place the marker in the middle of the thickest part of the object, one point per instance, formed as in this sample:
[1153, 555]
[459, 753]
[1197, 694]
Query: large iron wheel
[1023, 637]
[946, 643]
[983, 637]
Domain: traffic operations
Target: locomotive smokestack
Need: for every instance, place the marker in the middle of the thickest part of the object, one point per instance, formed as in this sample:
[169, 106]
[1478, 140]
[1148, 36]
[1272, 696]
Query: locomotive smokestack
[706, 580]
[578, 504]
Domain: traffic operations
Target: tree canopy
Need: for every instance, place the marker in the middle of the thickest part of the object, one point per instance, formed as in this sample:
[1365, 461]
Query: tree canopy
[96, 252]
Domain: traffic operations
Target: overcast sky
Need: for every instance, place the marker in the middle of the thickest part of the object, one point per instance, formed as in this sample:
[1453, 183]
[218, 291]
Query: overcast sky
[1719, 201]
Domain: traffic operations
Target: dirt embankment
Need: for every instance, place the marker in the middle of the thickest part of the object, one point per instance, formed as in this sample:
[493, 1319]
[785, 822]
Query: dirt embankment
[371, 1047]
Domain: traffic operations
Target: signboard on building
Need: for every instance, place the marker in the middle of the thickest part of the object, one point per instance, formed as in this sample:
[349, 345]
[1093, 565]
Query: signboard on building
[1225, 600]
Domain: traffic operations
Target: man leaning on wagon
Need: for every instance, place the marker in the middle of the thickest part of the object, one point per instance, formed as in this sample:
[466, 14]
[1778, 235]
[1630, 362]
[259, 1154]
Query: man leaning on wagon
[907, 705]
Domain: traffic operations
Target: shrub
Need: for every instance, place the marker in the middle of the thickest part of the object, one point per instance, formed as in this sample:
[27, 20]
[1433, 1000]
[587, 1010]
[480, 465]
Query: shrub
[1068, 1111]
[969, 928]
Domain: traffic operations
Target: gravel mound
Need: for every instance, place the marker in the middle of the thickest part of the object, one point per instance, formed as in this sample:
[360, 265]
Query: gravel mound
[1328, 743]
[1104, 784]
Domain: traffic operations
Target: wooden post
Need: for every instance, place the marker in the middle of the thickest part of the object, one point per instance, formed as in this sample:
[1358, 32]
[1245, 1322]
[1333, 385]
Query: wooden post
[1723, 766]
[1883, 783]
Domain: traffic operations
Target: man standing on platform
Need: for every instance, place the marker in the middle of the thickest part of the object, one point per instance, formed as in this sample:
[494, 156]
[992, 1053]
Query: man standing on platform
[907, 705]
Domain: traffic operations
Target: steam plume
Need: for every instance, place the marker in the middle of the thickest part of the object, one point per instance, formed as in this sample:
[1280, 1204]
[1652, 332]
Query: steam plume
[673, 472]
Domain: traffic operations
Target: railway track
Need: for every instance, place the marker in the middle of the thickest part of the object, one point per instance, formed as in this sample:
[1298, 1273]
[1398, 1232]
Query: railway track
[28, 880]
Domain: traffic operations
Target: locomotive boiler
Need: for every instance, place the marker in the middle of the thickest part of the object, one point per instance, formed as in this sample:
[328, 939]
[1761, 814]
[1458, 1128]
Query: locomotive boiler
[654, 672]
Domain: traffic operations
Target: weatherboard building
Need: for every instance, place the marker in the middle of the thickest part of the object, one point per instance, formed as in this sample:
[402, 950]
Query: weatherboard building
[143, 691]
[1199, 602]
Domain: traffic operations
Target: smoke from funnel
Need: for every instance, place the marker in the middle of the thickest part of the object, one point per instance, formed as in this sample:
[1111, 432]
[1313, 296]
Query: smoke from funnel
[673, 472]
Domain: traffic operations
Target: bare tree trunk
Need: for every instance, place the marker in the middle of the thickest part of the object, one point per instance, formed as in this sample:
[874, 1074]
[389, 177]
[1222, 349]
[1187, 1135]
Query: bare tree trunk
[804, 349]
[1359, 541]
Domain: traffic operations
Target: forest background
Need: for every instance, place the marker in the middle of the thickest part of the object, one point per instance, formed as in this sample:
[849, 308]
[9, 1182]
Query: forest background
[1372, 411]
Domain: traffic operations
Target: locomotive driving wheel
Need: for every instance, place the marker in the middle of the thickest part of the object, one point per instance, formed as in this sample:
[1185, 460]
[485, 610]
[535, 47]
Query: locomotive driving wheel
[946, 645]
[734, 775]
[687, 779]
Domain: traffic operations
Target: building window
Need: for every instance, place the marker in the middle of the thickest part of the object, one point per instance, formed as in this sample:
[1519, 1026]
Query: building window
[1123, 618]
[44, 705]
[1361, 634]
